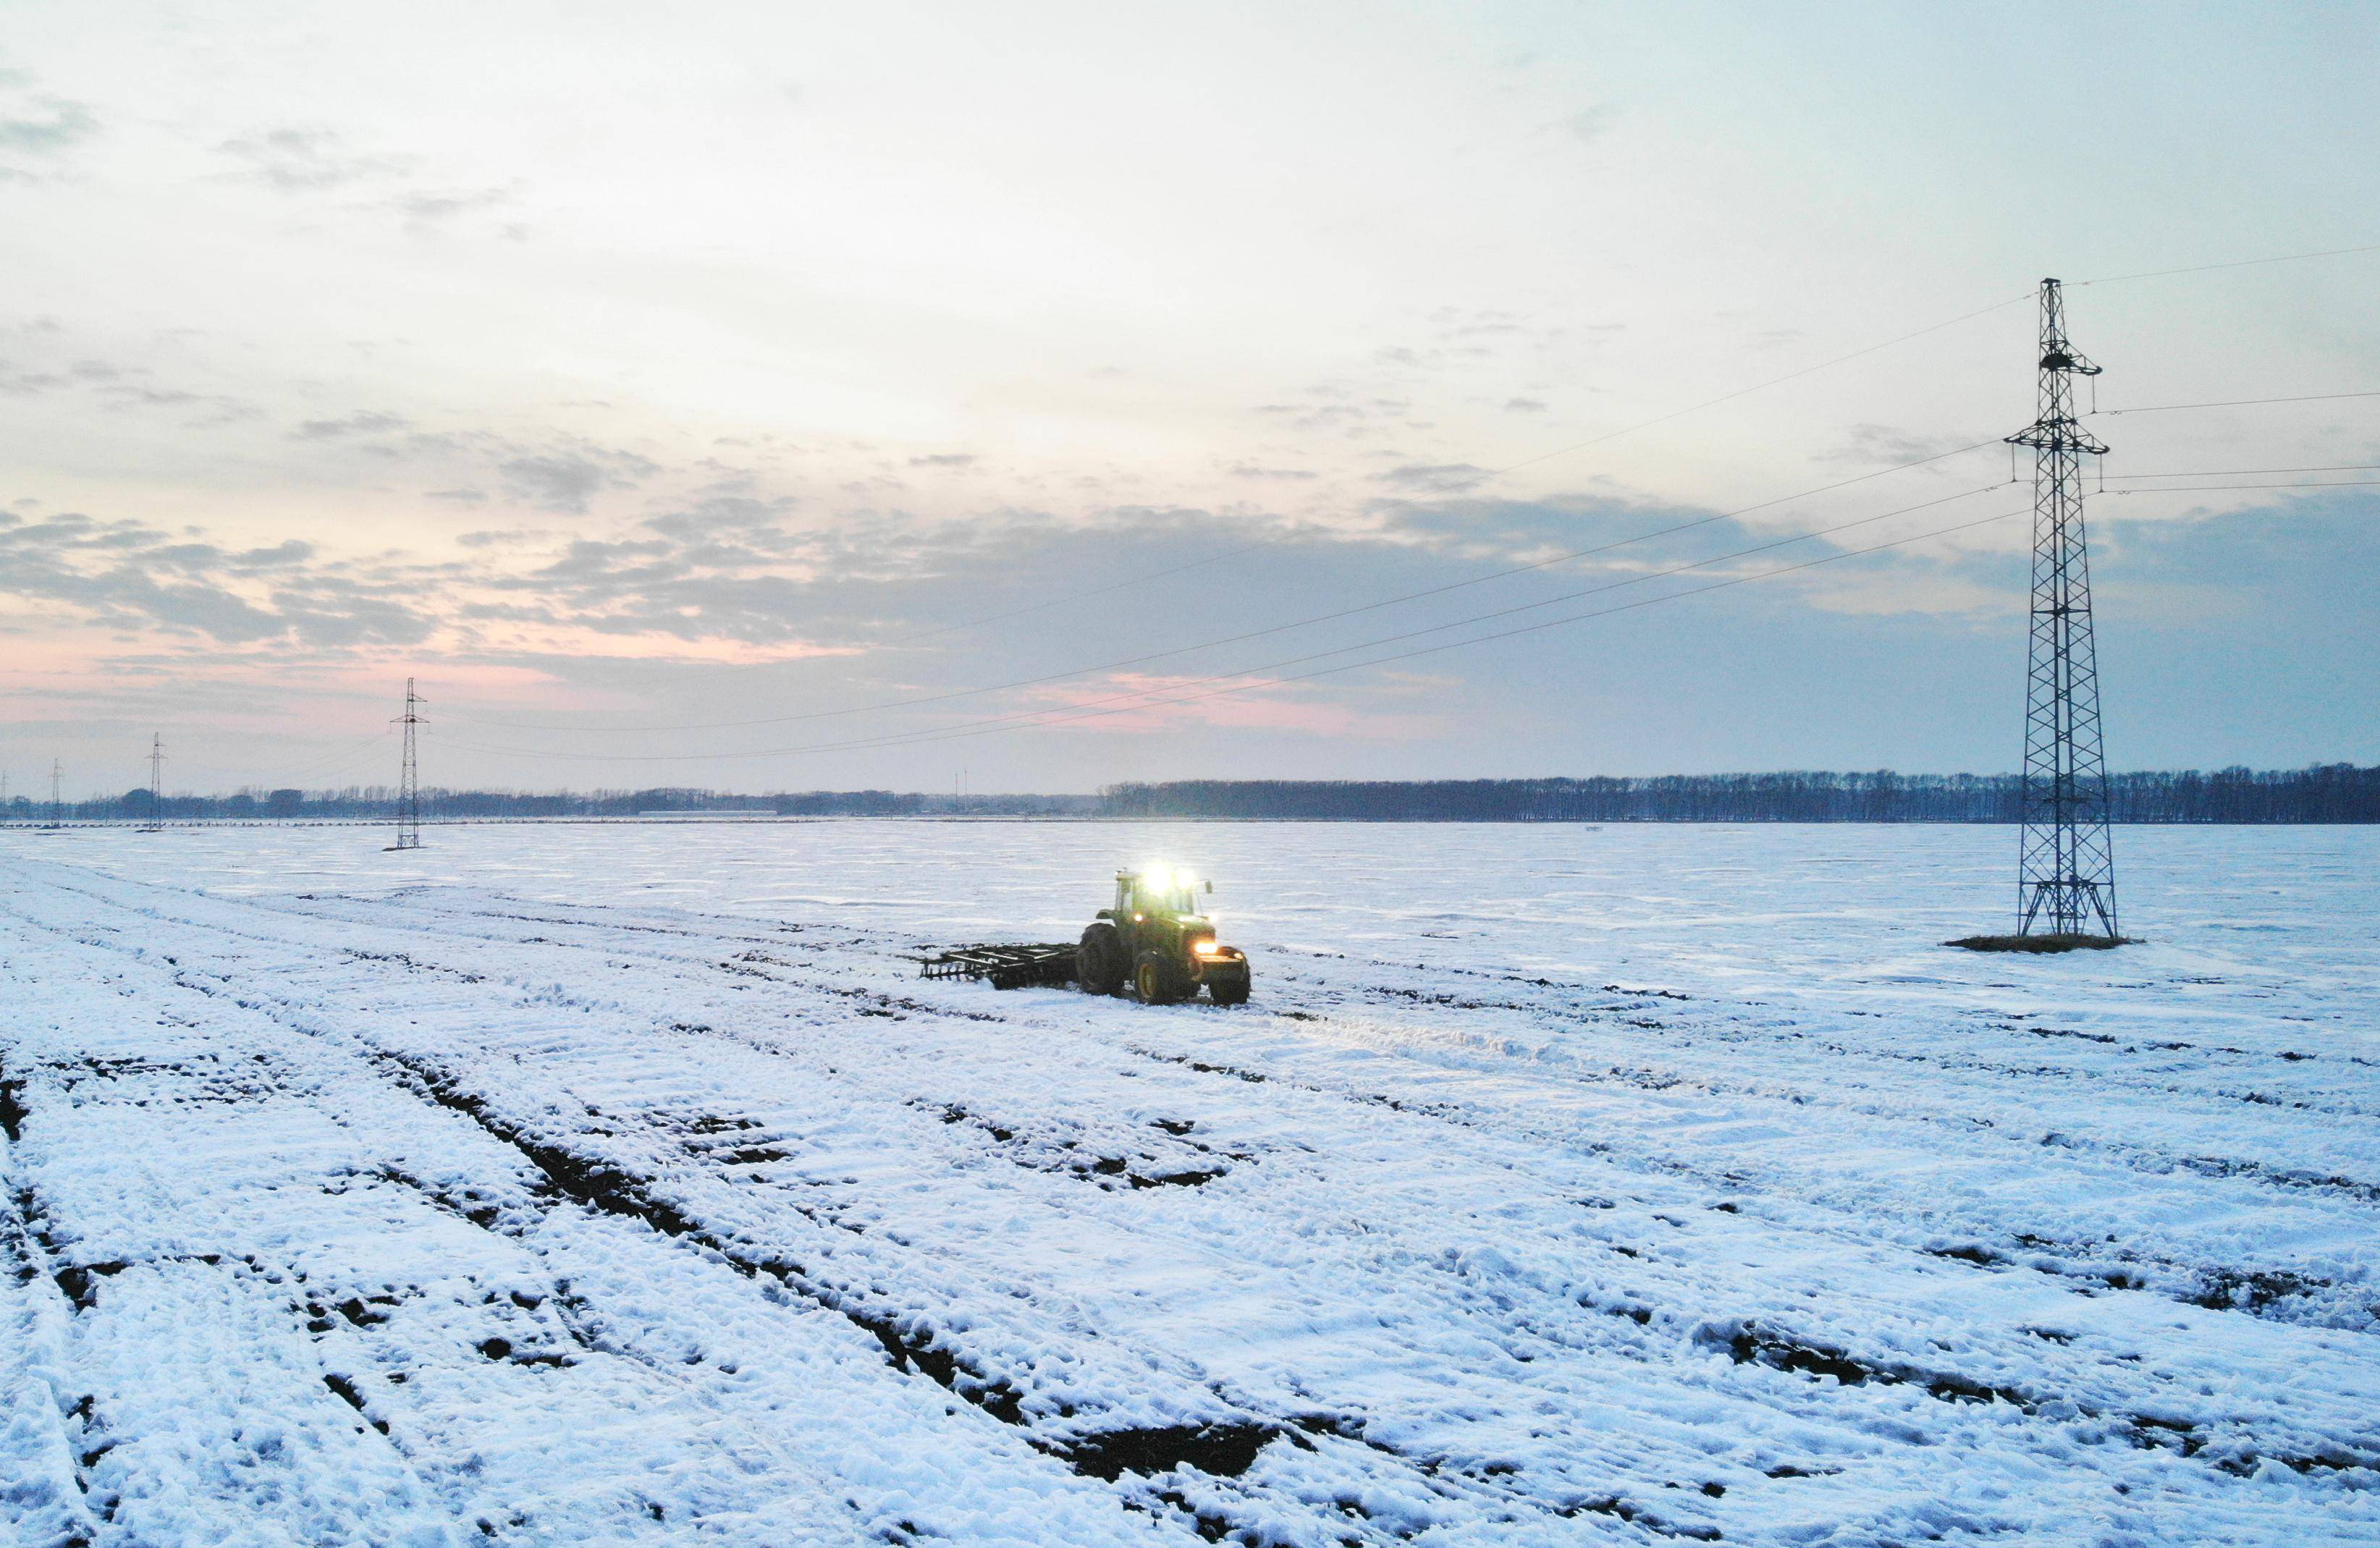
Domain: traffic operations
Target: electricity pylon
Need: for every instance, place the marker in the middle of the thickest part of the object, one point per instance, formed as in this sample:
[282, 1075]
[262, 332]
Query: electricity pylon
[408, 785]
[156, 783]
[2066, 865]
[57, 805]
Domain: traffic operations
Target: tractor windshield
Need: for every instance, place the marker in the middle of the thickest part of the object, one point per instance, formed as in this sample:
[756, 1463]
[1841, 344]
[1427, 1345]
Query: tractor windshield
[1171, 894]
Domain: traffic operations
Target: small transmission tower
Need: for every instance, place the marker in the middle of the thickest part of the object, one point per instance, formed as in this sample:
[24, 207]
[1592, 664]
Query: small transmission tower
[156, 783]
[57, 805]
[2066, 867]
[408, 784]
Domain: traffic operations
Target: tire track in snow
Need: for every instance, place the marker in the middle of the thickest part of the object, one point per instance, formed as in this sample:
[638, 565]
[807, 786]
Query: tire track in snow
[2264, 1291]
[246, 990]
[362, 1400]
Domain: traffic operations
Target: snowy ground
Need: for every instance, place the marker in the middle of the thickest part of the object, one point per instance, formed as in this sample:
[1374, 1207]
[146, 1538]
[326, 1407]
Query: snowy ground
[605, 1184]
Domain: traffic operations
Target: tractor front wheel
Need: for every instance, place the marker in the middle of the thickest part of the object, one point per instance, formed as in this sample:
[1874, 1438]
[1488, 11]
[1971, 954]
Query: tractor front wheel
[1154, 981]
[1230, 988]
[1099, 961]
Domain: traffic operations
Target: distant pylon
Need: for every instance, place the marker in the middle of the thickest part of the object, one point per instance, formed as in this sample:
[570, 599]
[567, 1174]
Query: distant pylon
[57, 805]
[408, 784]
[156, 781]
[2066, 865]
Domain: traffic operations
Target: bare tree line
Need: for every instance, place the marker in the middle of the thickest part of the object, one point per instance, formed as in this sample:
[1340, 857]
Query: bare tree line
[2337, 792]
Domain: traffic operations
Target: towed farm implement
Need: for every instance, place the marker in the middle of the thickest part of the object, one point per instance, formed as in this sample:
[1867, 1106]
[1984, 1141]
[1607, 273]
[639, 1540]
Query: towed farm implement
[1155, 943]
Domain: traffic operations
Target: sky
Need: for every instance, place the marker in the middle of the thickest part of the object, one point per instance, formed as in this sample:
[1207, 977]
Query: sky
[1041, 395]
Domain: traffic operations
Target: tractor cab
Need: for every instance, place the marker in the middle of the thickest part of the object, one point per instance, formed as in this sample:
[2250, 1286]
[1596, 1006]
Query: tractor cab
[1156, 891]
[1158, 941]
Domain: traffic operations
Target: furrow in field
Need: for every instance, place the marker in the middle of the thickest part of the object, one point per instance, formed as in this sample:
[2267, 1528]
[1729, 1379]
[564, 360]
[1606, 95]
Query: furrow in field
[432, 1326]
[1335, 1275]
[1983, 1126]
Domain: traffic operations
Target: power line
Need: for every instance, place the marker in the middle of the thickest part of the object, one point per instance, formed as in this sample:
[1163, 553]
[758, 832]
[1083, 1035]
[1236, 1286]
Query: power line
[997, 721]
[1125, 583]
[2200, 488]
[1501, 634]
[1059, 717]
[1273, 629]
[1492, 474]
[2236, 263]
[341, 755]
[1485, 476]
[2245, 472]
[1746, 392]
[2236, 402]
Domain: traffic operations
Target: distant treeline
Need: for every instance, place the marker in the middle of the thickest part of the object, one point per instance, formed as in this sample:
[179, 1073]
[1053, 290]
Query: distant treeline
[372, 803]
[2326, 792]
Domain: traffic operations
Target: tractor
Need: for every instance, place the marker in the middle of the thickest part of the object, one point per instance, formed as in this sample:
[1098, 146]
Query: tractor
[1158, 942]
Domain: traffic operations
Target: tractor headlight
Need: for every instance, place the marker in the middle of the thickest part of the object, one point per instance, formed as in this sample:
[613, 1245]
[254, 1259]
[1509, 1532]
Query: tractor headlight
[1206, 949]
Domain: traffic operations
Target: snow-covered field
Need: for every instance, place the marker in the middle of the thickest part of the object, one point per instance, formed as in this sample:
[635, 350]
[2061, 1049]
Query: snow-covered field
[583, 1184]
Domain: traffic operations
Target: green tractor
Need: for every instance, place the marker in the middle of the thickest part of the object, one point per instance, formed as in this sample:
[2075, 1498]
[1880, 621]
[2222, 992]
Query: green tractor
[1159, 943]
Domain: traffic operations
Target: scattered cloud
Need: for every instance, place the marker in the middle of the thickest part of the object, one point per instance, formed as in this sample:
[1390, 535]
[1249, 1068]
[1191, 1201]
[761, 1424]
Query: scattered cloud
[366, 423]
[56, 127]
[129, 575]
[305, 160]
[1248, 470]
[1140, 703]
[1523, 406]
[1332, 408]
[946, 459]
[1888, 445]
[1588, 125]
[566, 481]
[1433, 477]
[432, 208]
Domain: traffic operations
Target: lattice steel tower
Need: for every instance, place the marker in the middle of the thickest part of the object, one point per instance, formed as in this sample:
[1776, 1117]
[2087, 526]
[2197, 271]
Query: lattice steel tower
[2066, 868]
[156, 783]
[408, 784]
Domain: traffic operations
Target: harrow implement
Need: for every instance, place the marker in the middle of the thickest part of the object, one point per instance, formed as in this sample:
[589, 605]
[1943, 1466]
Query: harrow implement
[1007, 966]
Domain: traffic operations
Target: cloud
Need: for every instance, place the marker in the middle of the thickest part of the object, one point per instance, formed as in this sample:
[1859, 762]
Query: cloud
[946, 459]
[367, 423]
[460, 497]
[1588, 125]
[126, 575]
[1248, 470]
[566, 481]
[426, 208]
[1332, 408]
[1887, 445]
[1114, 704]
[301, 159]
[1433, 477]
[1523, 406]
[61, 127]
[297, 160]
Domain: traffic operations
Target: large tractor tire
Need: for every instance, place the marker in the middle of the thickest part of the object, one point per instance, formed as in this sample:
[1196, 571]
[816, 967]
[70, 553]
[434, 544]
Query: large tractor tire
[1230, 988]
[1099, 962]
[1156, 980]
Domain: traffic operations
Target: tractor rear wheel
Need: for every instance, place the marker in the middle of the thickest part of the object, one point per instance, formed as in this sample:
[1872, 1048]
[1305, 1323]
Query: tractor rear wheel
[1099, 962]
[1155, 980]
